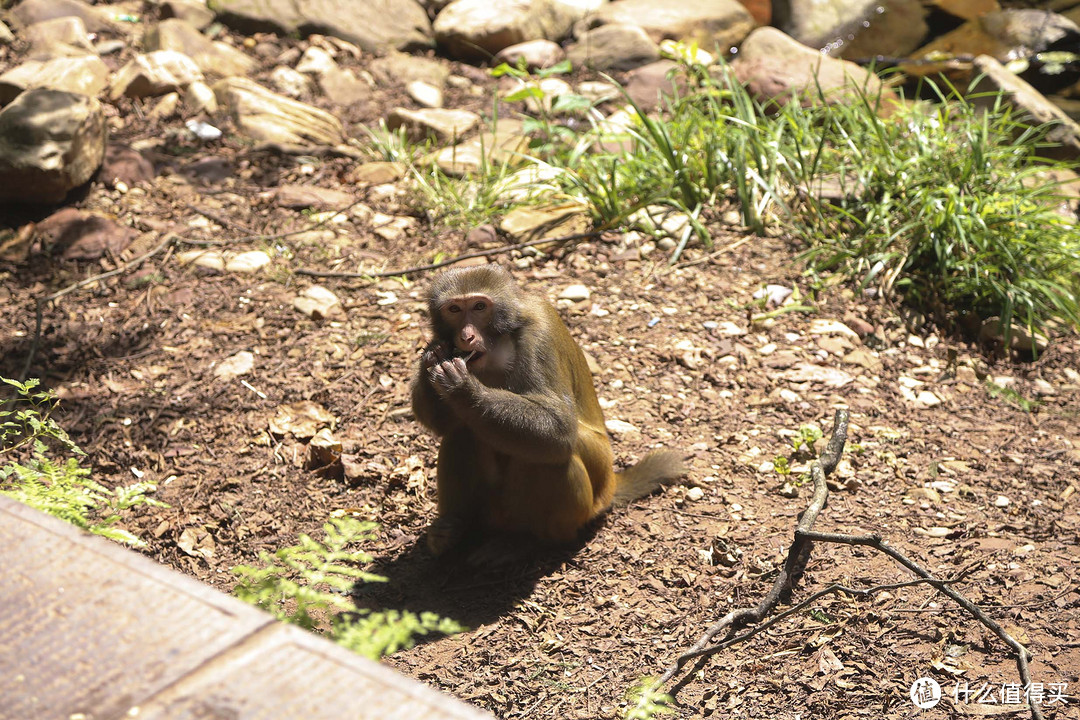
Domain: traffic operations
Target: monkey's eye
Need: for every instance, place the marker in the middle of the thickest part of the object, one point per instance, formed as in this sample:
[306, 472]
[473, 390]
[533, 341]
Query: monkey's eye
[453, 309]
[480, 306]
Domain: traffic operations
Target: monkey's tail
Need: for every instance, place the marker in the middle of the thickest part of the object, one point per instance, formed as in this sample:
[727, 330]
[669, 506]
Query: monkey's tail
[652, 472]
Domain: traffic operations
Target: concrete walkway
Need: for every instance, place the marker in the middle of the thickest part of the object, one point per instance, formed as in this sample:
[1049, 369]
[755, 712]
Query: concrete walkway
[90, 630]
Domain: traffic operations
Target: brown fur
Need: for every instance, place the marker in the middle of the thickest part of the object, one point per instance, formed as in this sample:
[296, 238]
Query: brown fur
[524, 446]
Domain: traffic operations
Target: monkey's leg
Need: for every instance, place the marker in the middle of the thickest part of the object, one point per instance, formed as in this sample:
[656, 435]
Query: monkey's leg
[549, 502]
[459, 485]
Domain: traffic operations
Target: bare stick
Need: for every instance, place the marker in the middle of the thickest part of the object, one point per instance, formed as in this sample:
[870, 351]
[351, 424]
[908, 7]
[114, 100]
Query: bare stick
[166, 241]
[444, 263]
[795, 562]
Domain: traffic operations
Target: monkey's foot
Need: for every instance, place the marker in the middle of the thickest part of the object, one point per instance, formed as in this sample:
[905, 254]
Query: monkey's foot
[443, 534]
[502, 551]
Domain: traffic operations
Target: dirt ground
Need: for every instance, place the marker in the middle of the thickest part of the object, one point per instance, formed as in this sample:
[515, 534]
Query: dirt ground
[981, 484]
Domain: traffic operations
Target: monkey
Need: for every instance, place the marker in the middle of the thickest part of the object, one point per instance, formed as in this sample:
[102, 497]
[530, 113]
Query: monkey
[524, 449]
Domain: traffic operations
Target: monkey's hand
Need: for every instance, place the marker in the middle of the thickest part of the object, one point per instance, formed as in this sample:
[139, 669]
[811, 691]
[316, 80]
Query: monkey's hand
[436, 352]
[449, 376]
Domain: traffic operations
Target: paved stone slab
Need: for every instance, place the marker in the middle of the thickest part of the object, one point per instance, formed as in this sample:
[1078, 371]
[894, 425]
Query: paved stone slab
[91, 629]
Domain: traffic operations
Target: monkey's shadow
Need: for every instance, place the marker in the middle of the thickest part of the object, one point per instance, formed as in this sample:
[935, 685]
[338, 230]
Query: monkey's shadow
[459, 587]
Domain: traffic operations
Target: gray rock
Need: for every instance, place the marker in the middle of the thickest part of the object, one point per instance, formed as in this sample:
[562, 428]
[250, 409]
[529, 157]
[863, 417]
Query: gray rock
[533, 54]
[648, 83]
[340, 86]
[373, 25]
[66, 36]
[50, 143]
[504, 146]
[29, 12]
[478, 29]
[424, 94]
[289, 82]
[155, 73]
[193, 12]
[777, 68]
[1037, 110]
[615, 46]
[397, 68]
[709, 23]
[85, 75]
[266, 116]
[1025, 31]
[83, 235]
[213, 58]
[895, 28]
[444, 125]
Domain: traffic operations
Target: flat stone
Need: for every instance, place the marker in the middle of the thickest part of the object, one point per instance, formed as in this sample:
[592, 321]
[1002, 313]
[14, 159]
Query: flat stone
[193, 12]
[28, 12]
[58, 37]
[309, 196]
[371, 25]
[478, 29]
[504, 146]
[155, 73]
[397, 68]
[50, 143]
[83, 75]
[270, 117]
[615, 46]
[444, 125]
[709, 23]
[215, 59]
[533, 54]
[425, 94]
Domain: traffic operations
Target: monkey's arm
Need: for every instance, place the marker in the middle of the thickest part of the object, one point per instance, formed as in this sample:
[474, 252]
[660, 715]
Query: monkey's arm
[537, 426]
[430, 409]
[428, 406]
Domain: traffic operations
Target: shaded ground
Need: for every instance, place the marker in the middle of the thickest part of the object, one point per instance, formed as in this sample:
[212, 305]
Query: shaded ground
[975, 485]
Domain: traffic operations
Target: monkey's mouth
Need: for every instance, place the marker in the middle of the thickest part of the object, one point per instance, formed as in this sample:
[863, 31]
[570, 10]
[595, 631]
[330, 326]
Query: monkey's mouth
[469, 356]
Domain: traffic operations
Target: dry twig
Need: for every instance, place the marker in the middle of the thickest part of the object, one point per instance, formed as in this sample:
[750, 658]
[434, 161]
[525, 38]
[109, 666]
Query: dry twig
[166, 241]
[795, 563]
[451, 261]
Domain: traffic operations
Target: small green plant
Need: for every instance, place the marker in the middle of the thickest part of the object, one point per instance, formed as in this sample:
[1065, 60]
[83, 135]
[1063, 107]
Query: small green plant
[59, 487]
[647, 701]
[806, 437]
[549, 135]
[309, 584]
[781, 465]
[944, 203]
[1011, 396]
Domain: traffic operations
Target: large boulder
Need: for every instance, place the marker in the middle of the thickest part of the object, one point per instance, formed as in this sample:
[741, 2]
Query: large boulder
[50, 143]
[778, 69]
[479, 29]
[708, 23]
[29, 12]
[373, 25]
[854, 28]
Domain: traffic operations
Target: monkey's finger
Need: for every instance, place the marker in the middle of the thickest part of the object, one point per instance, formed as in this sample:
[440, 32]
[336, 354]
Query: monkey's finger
[460, 366]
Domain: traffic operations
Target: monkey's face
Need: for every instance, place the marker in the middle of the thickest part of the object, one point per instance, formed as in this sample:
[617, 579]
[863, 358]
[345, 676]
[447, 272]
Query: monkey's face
[469, 319]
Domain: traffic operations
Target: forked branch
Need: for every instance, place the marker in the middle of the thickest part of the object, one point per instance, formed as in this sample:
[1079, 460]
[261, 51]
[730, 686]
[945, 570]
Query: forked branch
[795, 563]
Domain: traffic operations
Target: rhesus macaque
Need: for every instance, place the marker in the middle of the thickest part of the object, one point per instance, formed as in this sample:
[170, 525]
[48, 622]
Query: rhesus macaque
[506, 387]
